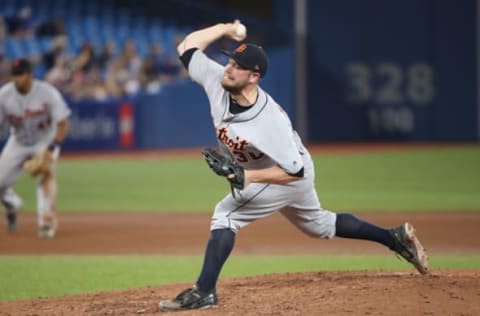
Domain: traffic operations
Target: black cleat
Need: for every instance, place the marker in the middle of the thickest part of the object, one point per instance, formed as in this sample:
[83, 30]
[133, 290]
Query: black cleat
[12, 221]
[409, 247]
[190, 298]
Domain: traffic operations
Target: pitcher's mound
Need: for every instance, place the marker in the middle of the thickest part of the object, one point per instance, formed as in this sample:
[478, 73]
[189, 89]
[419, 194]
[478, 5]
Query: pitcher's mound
[443, 292]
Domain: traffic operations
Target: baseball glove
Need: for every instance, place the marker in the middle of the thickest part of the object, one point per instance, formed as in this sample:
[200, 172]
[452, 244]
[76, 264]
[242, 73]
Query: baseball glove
[38, 164]
[225, 166]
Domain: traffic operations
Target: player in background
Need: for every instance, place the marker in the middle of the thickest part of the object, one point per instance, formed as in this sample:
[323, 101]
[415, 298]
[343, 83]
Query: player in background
[278, 169]
[38, 119]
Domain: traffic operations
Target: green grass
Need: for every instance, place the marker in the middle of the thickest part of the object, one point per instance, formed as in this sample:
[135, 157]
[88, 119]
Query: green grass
[25, 277]
[126, 184]
[434, 179]
[441, 179]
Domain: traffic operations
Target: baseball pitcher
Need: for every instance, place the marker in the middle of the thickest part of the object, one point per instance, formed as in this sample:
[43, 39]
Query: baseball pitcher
[38, 119]
[264, 161]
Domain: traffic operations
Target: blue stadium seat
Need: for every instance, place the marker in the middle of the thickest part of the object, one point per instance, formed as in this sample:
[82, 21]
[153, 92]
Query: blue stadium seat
[10, 7]
[40, 71]
[59, 8]
[168, 39]
[45, 44]
[43, 9]
[31, 47]
[13, 48]
[142, 45]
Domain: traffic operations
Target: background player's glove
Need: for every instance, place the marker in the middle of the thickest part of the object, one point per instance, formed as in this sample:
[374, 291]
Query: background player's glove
[38, 164]
[225, 166]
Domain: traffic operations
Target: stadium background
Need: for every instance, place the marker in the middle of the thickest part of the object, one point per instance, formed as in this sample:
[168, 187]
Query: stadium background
[391, 77]
[402, 71]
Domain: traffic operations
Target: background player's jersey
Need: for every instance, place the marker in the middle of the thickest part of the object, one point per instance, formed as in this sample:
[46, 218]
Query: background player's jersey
[258, 138]
[32, 117]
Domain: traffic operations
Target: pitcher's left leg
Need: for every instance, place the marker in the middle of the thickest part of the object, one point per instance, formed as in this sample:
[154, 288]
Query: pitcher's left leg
[326, 224]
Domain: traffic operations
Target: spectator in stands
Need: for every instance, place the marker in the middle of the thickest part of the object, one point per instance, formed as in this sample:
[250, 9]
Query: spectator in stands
[4, 70]
[158, 68]
[116, 78]
[94, 86]
[74, 89]
[169, 66]
[85, 60]
[106, 56]
[21, 25]
[51, 28]
[131, 64]
[60, 74]
[3, 29]
[57, 51]
[150, 77]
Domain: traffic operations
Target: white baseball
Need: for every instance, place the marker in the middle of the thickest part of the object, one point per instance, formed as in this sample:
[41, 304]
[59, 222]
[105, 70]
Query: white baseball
[241, 30]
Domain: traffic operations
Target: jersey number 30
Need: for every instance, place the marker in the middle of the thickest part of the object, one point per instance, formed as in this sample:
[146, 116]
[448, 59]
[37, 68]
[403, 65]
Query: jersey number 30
[243, 156]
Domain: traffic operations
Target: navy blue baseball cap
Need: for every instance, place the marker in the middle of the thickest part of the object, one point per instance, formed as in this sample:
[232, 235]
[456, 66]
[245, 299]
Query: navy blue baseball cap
[251, 57]
[21, 66]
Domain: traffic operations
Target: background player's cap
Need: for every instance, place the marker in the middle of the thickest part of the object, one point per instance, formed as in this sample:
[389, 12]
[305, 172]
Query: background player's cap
[251, 57]
[21, 66]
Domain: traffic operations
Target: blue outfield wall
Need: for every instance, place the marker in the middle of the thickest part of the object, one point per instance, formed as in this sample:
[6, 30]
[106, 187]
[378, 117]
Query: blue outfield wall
[392, 70]
[176, 117]
[94, 126]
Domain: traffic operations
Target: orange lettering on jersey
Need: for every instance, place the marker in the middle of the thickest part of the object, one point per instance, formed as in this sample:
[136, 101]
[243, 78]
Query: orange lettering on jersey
[236, 144]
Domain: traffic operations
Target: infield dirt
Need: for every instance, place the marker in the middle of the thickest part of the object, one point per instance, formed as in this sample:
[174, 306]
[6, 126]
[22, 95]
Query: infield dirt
[442, 292]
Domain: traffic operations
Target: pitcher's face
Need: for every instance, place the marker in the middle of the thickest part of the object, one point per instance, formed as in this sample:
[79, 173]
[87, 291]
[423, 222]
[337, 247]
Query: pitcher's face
[236, 78]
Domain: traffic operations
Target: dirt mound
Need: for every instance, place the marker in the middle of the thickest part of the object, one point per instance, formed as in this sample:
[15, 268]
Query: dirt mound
[443, 292]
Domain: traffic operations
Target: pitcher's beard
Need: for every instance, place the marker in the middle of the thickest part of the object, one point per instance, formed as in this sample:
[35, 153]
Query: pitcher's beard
[232, 90]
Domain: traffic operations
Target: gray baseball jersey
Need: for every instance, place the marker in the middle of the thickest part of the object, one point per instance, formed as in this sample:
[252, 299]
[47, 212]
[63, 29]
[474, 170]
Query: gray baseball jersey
[34, 116]
[259, 138]
[33, 119]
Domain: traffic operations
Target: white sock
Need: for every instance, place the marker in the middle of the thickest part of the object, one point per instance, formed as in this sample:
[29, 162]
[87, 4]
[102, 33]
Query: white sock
[45, 203]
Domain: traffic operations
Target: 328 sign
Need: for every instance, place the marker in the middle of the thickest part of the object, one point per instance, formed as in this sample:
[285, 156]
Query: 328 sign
[394, 89]
[389, 83]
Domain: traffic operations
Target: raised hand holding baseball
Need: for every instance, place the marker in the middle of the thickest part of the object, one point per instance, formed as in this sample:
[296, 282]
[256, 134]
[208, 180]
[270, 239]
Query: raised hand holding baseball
[238, 31]
[241, 30]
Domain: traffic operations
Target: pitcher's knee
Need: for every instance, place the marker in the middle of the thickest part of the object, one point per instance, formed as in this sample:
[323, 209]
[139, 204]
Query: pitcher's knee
[224, 223]
[322, 227]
